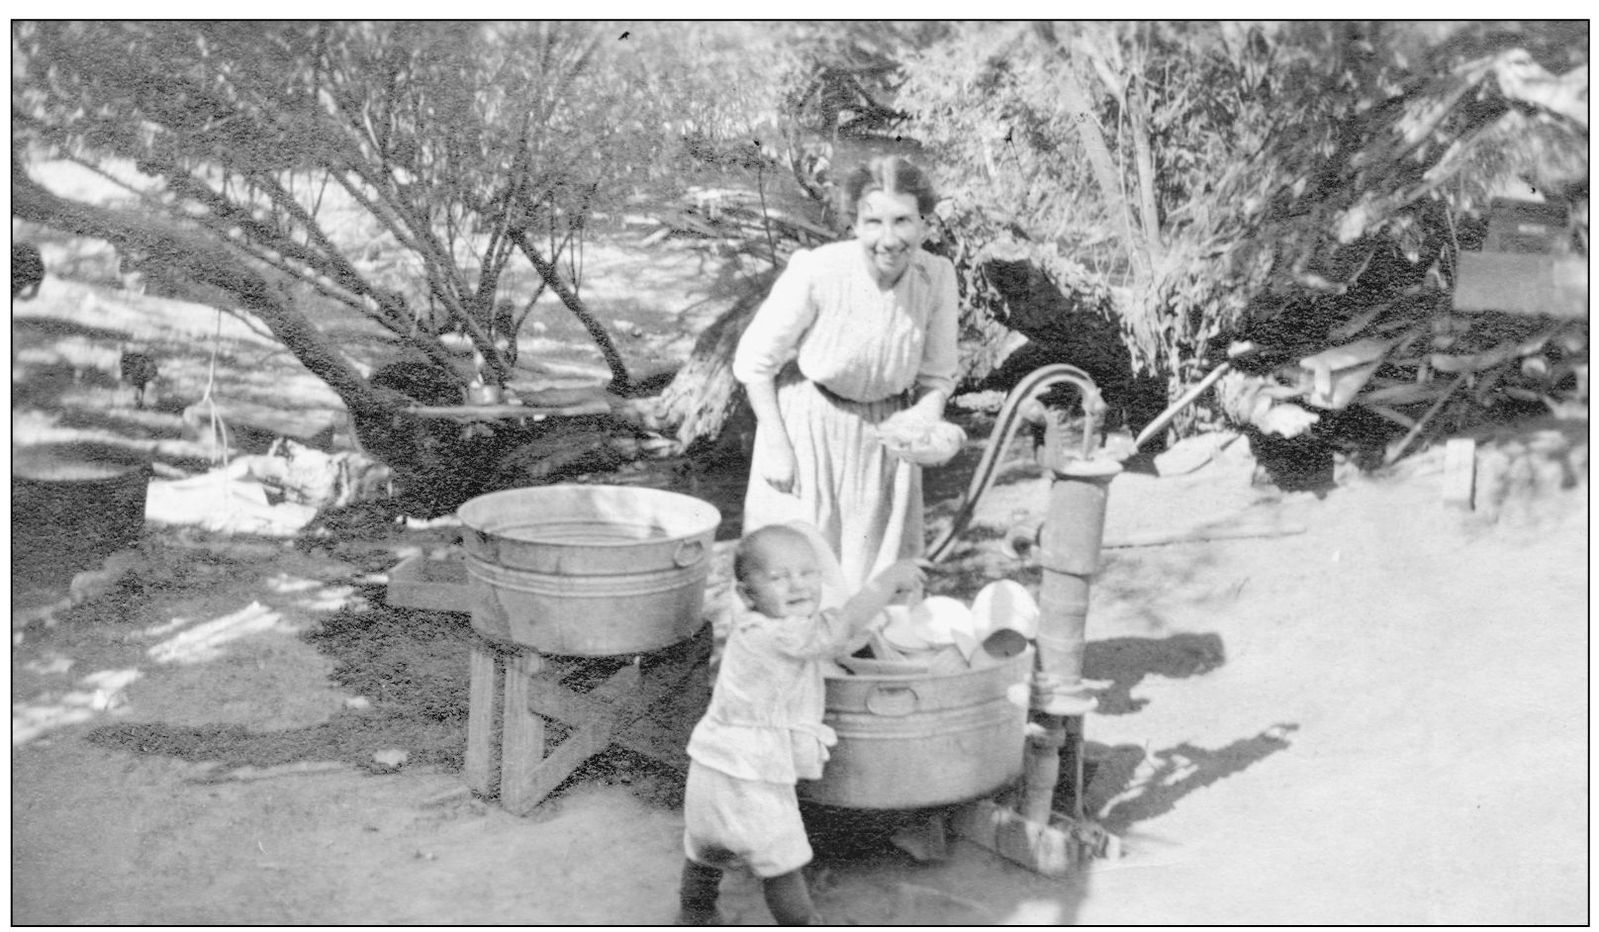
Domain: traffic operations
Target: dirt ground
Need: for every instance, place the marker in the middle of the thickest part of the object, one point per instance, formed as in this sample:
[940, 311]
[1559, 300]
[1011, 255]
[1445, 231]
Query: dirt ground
[1378, 719]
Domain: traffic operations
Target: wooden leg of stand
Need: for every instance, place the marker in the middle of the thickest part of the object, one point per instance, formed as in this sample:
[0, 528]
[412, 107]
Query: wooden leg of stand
[482, 746]
[522, 742]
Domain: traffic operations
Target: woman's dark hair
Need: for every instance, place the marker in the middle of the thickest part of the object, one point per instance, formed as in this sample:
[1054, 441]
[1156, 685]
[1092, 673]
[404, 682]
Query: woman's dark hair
[891, 173]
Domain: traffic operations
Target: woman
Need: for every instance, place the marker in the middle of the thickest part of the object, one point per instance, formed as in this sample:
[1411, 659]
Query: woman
[852, 333]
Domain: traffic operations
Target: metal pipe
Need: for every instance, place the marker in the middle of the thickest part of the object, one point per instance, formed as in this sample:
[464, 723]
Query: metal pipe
[1187, 398]
[1010, 417]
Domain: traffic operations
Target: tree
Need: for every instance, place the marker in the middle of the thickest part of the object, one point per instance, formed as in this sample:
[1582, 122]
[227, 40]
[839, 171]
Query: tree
[402, 170]
[1217, 174]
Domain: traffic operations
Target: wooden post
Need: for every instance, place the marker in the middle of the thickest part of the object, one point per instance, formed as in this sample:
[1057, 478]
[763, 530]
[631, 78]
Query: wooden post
[482, 750]
[522, 741]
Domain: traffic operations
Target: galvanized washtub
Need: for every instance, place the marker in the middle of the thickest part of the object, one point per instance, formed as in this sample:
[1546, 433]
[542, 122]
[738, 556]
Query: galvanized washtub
[911, 741]
[588, 570]
[73, 505]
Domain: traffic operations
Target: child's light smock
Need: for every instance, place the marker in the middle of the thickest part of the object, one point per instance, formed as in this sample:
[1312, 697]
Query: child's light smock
[765, 716]
[762, 733]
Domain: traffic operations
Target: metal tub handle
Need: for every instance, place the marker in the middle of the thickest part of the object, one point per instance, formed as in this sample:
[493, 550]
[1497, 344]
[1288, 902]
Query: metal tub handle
[892, 701]
[689, 552]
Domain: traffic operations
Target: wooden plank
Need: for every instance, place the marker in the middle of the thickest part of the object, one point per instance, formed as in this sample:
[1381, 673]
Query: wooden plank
[432, 585]
[522, 741]
[1200, 534]
[537, 782]
[306, 426]
[504, 412]
[645, 737]
[482, 750]
[1522, 283]
[574, 708]
[675, 695]
[1044, 849]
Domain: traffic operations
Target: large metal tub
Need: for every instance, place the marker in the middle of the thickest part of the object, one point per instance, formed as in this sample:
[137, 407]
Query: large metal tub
[905, 742]
[74, 504]
[588, 570]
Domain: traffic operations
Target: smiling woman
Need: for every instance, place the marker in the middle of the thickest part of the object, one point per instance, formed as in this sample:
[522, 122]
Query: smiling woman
[852, 333]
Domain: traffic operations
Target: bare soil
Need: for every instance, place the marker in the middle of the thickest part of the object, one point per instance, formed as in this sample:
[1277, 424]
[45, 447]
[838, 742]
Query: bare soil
[1381, 718]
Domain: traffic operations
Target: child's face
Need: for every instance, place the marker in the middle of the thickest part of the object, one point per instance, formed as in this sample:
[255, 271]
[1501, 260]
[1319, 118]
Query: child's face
[784, 580]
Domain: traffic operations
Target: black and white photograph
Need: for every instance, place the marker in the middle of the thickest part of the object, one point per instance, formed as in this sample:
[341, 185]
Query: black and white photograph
[799, 471]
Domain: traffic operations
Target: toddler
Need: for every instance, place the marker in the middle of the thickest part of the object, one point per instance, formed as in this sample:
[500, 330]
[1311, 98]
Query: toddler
[763, 730]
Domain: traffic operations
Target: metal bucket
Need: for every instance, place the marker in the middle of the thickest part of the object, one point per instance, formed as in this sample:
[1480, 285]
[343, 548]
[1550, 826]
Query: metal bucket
[588, 570]
[73, 505]
[905, 742]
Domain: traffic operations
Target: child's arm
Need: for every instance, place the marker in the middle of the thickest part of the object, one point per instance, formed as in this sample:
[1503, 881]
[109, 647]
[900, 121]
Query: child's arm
[865, 609]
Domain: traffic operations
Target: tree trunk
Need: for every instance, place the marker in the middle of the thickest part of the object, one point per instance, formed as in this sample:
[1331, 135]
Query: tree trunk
[200, 260]
[1144, 160]
[703, 396]
[1074, 97]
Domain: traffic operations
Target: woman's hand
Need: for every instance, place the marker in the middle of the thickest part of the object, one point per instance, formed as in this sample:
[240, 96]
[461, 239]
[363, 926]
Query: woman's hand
[772, 448]
[780, 468]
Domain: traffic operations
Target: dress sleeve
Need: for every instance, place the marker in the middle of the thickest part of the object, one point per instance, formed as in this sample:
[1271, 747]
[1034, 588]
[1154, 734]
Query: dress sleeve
[771, 338]
[823, 636]
[940, 359]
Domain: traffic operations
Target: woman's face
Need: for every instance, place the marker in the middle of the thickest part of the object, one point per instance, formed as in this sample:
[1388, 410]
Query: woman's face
[891, 229]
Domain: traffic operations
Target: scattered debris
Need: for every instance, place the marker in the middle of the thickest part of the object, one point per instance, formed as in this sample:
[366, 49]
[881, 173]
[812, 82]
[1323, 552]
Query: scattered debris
[56, 664]
[1191, 453]
[1460, 472]
[250, 774]
[453, 796]
[391, 758]
[988, 402]
[204, 641]
[1201, 535]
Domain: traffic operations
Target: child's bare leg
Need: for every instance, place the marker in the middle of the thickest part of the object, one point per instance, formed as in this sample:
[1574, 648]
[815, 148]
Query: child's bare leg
[789, 899]
[697, 897]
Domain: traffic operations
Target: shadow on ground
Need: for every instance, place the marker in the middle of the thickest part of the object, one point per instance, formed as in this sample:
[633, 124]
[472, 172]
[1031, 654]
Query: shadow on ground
[1126, 661]
[411, 669]
[1128, 785]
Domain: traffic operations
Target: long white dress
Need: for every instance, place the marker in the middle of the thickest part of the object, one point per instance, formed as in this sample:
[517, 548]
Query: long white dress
[845, 355]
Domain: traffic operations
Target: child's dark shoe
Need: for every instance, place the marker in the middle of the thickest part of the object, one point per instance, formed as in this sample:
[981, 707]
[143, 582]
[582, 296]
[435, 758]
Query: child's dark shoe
[700, 917]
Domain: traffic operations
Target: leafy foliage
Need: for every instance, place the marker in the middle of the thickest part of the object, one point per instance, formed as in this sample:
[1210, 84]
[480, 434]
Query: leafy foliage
[1220, 177]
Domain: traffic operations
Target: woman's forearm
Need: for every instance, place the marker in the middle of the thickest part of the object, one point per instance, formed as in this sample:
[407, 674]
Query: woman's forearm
[763, 401]
[774, 450]
[931, 403]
